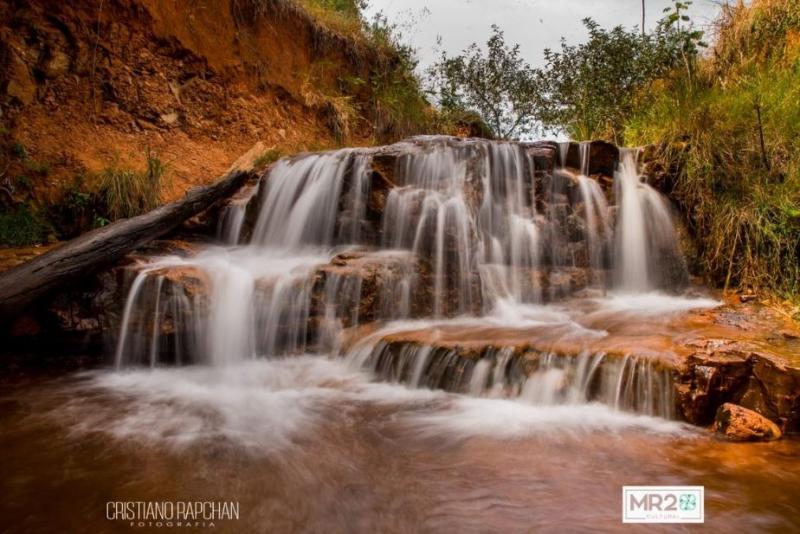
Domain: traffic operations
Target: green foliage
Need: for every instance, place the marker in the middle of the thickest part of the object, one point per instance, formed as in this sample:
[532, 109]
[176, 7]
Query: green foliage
[346, 7]
[24, 183]
[748, 37]
[586, 90]
[589, 88]
[496, 82]
[76, 208]
[731, 129]
[37, 167]
[270, 156]
[398, 103]
[20, 227]
[77, 211]
[462, 123]
[19, 150]
[127, 193]
[342, 16]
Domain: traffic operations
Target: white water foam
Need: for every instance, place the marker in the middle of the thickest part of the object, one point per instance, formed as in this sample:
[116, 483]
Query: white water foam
[654, 303]
[268, 405]
[506, 419]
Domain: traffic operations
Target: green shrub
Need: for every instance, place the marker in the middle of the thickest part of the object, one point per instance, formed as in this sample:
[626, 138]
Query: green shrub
[19, 150]
[398, 102]
[20, 227]
[75, 212]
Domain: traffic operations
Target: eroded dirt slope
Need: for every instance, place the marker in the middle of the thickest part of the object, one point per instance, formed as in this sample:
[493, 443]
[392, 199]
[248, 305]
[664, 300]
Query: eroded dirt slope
[88, 84]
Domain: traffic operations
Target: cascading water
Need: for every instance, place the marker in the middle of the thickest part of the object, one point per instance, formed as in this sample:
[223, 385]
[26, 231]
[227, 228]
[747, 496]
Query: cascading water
[596, 214]
[453, 231]
[646, 244]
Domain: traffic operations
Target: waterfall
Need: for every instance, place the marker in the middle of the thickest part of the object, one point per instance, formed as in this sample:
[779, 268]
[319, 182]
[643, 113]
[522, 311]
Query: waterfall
[230, 224]
[302, 199]
[333, 252]
[628, 383]
[598, 227]
[646, 243]
[632, 273]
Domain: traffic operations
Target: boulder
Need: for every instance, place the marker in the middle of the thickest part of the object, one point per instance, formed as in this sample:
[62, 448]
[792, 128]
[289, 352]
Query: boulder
[736, 423]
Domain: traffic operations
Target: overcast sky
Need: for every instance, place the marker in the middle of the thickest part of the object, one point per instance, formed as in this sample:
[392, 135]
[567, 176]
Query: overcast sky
[534, 24]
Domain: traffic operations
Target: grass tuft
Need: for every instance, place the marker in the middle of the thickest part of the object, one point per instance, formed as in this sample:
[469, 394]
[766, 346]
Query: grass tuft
[270, 156]
[127, 193]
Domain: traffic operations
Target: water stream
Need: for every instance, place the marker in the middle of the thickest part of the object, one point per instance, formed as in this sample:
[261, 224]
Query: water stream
[348, 358]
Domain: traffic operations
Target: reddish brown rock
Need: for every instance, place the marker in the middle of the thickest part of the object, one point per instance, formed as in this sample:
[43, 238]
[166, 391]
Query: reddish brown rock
[740, 424]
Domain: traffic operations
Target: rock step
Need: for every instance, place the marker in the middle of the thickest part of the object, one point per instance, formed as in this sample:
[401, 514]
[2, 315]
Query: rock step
[683, 378]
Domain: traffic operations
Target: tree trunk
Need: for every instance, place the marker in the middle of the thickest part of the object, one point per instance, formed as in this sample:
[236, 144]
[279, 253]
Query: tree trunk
[22, 285]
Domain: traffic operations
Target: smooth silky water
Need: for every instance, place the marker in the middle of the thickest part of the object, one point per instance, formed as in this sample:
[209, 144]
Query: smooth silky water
[281, 392]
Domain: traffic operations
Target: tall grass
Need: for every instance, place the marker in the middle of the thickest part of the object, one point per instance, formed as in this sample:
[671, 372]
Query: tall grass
[127, 193]
[341, 16]
[732, 130]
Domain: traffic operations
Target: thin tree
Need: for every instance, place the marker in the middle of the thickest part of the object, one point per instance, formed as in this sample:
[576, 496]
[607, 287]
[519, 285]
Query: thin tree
[494, 81]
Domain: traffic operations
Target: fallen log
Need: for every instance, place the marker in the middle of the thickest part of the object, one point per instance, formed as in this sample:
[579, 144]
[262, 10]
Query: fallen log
[24, 284]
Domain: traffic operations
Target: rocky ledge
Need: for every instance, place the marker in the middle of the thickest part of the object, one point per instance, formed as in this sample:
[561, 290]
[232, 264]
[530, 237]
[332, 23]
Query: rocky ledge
[742, 353]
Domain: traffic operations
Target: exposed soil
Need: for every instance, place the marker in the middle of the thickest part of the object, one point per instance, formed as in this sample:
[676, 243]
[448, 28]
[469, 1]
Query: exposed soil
[86, 85]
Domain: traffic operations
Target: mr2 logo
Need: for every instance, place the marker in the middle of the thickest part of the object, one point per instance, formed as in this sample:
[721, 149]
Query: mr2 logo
[662, 504]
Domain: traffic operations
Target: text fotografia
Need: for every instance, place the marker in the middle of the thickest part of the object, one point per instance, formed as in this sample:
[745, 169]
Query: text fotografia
[662, 504]
[172, 514]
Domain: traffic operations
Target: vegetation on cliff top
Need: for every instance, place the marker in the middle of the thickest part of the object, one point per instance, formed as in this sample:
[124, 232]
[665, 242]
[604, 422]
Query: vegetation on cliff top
[395, 105]
[729, 125]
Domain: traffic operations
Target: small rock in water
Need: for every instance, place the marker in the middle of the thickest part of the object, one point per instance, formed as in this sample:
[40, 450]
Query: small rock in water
[740, 424]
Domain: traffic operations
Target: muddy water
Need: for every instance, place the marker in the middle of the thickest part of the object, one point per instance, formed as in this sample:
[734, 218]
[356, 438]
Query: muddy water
[309, 445]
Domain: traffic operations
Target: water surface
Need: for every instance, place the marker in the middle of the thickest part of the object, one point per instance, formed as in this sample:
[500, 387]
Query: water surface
[308, 444]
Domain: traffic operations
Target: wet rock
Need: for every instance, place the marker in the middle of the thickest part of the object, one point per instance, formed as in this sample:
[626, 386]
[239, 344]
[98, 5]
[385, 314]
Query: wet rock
[167, 247]
[740, 424]
[359, 287]
[780, 384]
[603, 157]
[716, 372]
[755, 397]
[565, 281]
[576, 226]
[672, 269]
[544, 156]
[191, 281]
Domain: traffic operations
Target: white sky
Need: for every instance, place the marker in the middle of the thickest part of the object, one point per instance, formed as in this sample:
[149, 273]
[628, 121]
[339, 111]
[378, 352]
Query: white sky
[534, 24]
